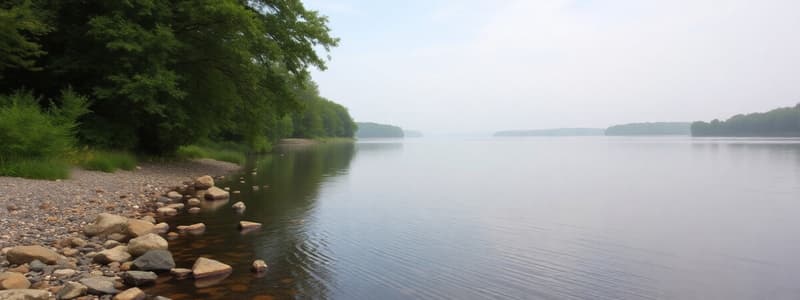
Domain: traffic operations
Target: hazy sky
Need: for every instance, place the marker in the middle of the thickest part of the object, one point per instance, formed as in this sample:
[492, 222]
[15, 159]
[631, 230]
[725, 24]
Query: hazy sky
[484, 65]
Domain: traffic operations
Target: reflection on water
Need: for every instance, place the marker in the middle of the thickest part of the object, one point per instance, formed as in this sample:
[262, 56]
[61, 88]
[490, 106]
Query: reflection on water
[543, 218]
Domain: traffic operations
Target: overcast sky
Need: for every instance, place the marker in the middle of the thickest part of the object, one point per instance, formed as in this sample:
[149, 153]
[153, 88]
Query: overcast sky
[483, 65]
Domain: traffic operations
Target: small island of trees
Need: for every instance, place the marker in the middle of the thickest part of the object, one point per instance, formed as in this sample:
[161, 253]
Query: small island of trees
[781, 122]
[377, 130]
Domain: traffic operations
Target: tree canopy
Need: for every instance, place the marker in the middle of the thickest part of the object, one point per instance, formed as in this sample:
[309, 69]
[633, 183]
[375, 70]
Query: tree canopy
[656, 128]
[376, 130]
[163, 73]
[781, 122]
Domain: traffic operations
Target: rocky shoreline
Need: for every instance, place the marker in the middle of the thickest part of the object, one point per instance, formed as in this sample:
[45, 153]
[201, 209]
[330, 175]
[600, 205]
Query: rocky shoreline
[98, 235]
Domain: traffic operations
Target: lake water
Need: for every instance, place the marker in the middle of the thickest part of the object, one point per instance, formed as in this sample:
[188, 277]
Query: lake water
[508, 218]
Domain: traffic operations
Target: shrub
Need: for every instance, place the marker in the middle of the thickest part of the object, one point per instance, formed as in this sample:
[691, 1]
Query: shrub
[107, 161]
[197, 151]
[35, 168]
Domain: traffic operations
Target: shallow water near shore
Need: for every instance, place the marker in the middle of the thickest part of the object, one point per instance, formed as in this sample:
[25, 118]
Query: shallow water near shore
[508, 218]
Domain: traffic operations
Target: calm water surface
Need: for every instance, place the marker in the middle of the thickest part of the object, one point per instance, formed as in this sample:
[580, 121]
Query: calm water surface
[535, 218]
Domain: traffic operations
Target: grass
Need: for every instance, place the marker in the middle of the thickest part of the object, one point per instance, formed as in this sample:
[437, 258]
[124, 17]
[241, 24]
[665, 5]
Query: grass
[51, 169]
[107, 161]
[197, 151]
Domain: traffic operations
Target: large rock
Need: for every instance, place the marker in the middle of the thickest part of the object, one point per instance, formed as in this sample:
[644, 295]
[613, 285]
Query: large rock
[12, 280]
[116, 254]
[139, 278]
[25, 295]
[99, 285]
[137, 228]
[25, 254]
[106, 224]
[131, 294]
[147, 242]
[154, 260]
[215, 193]
[205, 267]
[203, 182]
[72, 290]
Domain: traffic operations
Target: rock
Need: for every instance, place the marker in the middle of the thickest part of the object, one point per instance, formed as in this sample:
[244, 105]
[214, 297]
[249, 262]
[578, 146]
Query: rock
[247, 225]
[194, 228]
[259, 266]
[70, 252]
[110, 244]
[172, 235]
[71, 290]
[167, 211]
[154, 260]
[203, 182]
[215, 193]
[119, 237]
[181, 273]
[77, 242]
[175, 206]
[114, 266]
[193, 202]
[37, 265]
[118, 254]
[174, 195]
[25, 294]
[194, 210]
[106, 224]
[99, 285]
[137, 228]
[22, 269]
[147, 242]
[149, 219]
[239, 206]
[126, 266]
[256, 188]
[205, 267]
[139, 278]
[64, 273]
[161, 298]
[12, 280]
[24, 254]
[131, 294]
[161, 227]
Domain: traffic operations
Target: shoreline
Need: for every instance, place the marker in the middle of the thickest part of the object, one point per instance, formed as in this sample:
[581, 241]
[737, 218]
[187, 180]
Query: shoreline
[53, 213]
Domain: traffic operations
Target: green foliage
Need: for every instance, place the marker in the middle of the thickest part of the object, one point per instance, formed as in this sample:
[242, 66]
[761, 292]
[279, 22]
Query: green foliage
[50, 169]
[657, 128]
[107, 161]
[217, 153]
[19, 27]
[320, 117]
[375, 130]
[781, 122]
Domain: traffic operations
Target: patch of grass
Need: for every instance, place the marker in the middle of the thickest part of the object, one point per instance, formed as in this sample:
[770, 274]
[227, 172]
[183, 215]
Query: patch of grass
[107, 161]
[35, 169]
[196, 151]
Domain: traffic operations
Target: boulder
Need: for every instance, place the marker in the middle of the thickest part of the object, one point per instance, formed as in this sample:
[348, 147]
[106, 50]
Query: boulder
[137, 228]
[106, 224]
[154, 260]
[193, 202]
[194, 228]
[25, 254]
[181, 273]
[259, 266]
[131, 294]
[26, 294]
[205, 267]
[204, 182]
[71, 290]
[215, 193]
[147, 242]
[247, 225]
[167, 211]
[116, 254]
[139, 278]
[99, 285]
[174, 195]
[12, 280]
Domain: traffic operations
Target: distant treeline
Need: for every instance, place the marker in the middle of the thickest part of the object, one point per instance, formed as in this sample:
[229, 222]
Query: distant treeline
[375, 130]
[553, 132]
[781, 122]
[657, 128]
[412, 133]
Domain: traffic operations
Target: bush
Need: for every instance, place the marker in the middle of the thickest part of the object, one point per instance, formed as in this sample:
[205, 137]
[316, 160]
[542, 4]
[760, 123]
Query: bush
[35, 143]
[197, 151]
[107, 161]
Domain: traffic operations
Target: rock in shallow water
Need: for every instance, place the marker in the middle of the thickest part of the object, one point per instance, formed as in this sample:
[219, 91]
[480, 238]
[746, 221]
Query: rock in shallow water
[259, 266]
[205, 267]
[181, 273]
[215, 193]
[247, 225]
[131, 294]
[154, 260]
[147, 242]
[139, 278]
[137, 228]
[203, 182]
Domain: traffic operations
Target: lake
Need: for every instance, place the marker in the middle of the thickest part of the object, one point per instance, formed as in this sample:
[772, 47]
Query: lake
[509, 218]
